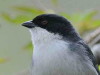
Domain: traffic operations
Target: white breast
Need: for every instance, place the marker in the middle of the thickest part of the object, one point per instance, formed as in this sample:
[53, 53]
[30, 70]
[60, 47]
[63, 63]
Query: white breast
[52, 56]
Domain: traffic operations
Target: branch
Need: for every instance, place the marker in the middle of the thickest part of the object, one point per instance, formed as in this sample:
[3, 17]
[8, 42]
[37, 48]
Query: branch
[93, 37]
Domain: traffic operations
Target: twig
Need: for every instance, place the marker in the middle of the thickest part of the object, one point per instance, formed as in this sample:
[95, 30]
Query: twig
[88, 39]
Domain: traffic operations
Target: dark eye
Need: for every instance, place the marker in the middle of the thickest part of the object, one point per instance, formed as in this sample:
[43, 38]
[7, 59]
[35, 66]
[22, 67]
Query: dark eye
[44, 22]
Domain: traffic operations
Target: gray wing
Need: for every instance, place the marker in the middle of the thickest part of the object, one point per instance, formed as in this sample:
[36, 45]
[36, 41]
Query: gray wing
[90, 55]
[85, 55]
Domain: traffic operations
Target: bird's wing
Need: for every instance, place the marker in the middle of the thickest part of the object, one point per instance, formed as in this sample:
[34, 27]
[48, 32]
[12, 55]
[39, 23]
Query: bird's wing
[90, 55]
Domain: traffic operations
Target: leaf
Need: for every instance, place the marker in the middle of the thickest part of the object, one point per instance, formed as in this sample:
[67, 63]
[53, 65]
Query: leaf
[93, 24]
[7, 17]
[96, 22]
[29, 46]
[21, 18]
[29, 9]
[75, 18]
[2, 60]
[18, 19]
[88, 16]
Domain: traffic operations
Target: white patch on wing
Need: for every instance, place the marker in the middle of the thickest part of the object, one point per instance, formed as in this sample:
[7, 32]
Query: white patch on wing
[52, 56]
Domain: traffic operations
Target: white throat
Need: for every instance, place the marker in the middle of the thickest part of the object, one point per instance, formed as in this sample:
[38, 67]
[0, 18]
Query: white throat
[40, 35]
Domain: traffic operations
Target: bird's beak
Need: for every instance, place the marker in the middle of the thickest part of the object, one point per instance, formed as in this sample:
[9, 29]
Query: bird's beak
[28, 24]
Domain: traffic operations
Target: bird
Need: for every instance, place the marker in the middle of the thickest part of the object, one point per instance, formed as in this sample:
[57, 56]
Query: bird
[58, 48]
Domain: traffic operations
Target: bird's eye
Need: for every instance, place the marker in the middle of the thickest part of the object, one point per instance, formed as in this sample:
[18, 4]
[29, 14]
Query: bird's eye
[44, 22]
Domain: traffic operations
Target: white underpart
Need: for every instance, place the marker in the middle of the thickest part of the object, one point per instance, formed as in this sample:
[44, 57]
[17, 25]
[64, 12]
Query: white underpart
[52, 56]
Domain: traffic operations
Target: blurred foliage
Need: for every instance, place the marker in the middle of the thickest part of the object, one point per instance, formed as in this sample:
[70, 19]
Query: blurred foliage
[20, 18]
[54, 2]
[2, 60]
[82, 21]
[28, 46]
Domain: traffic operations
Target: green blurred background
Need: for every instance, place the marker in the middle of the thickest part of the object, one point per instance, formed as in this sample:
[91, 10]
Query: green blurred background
[15, 40]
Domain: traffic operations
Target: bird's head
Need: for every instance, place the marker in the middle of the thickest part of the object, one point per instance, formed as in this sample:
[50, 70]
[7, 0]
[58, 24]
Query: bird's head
[51, 24]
